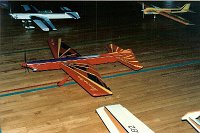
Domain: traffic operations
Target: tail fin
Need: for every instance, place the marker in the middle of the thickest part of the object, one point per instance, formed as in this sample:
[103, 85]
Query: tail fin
[65, 9]
[68, 11]
[126, 57]
[113, 48]
[186, 7]
[61, 50]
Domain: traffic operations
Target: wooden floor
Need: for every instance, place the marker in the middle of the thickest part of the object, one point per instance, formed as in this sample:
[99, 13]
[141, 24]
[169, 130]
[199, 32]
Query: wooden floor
[159, 94]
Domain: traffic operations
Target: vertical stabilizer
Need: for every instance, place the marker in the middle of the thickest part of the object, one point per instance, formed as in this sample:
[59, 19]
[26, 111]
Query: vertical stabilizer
[186, 7]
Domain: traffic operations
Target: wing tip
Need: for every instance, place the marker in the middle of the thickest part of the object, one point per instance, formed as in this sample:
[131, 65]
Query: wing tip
[100, 94]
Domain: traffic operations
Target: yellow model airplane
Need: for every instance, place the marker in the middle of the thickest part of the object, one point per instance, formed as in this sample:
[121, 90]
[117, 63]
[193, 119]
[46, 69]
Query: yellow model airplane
[168, 12]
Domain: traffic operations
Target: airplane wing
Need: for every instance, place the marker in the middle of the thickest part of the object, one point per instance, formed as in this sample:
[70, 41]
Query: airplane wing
[192, 118]
[43, 22]
[87, 77]
[119, 120]
[30, 9]
[175, 18]
[61, 50]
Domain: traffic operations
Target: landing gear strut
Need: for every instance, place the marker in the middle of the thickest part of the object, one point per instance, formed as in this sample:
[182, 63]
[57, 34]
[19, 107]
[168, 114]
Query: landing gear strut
[154, 17]
[28, 24]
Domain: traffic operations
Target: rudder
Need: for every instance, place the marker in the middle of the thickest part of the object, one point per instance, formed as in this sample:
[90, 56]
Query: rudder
[186, 7]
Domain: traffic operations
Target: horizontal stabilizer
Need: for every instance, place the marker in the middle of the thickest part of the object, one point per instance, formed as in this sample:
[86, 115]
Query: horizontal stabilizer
[74, 15]
[119, 120]
[68, 11]
[65, 9]
[126, 57]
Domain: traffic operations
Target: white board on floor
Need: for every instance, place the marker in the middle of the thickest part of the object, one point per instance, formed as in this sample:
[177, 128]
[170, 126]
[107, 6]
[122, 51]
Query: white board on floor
[192, 118]
[118, 119]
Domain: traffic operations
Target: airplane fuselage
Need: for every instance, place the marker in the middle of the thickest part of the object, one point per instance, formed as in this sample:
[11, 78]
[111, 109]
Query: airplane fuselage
[25, 16]
[53, 64]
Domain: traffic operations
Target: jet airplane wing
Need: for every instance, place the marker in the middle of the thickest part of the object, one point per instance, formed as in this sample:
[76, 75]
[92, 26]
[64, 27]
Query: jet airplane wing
[43, 22]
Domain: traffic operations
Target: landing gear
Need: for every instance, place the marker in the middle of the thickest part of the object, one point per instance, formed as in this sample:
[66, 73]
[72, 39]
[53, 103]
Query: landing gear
[28, 24]
[154, 17]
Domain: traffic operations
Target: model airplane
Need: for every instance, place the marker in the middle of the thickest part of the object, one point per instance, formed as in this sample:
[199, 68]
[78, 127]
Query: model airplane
[42, 18]
[80, 68]
[168, 12]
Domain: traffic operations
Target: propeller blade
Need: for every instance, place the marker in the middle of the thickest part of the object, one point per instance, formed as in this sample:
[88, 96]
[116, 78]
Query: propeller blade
[143, 10]
[10, 9]
[25, 57]
[25, 60]
[142, 6]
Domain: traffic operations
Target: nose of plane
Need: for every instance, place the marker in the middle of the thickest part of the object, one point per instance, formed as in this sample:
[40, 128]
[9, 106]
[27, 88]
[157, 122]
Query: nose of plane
[24, 64]
[13, 16]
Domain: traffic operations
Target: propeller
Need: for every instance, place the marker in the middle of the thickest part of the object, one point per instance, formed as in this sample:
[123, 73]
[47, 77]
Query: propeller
[143, 10]
[10, 11]
[25, 63]
[10, 8]
[154, 17]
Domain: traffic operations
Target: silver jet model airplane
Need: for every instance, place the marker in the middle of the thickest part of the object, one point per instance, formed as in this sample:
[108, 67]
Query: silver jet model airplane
[42, 18]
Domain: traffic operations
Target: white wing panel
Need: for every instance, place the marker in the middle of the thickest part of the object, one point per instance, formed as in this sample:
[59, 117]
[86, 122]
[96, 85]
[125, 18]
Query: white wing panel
[43, 22]
[41, 25]
[128, 120]
[119, 119]
[50, 24]
[107, 121]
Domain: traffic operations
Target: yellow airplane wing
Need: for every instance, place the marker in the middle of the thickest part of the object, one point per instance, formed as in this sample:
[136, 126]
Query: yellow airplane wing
[175, 18]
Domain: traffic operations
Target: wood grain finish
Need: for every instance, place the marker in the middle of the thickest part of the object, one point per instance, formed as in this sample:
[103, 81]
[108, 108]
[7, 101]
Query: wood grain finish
[158, 97]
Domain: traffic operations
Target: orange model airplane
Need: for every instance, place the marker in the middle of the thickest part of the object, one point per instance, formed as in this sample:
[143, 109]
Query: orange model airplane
[80, 68]
[167, 12]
